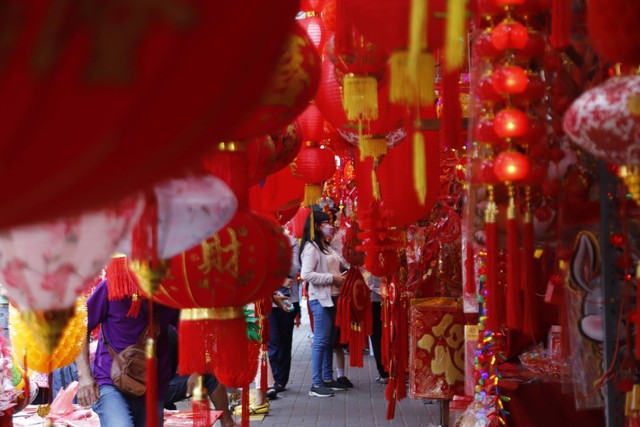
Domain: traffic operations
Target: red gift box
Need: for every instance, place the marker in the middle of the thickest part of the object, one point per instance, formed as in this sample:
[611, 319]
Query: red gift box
[436, 348]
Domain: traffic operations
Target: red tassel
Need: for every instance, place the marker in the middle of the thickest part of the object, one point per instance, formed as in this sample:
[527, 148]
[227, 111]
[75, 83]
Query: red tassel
[119, 281]
[226, 366]
[514, 313]
[560, 24]
[194, 343]
[152, 382]
[200, 406]
[530, 312]
[492, 298]
[390, 396]
[451, 110]
[245, 406]
[356, 346]
[134, 308]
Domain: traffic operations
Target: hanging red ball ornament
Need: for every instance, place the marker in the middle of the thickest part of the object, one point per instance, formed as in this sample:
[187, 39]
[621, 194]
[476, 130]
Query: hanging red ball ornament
[511, 166]
[509, 35]
[511, 123]
[510, 80]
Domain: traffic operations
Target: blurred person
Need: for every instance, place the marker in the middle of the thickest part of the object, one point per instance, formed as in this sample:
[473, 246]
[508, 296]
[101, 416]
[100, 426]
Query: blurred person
[376, 332]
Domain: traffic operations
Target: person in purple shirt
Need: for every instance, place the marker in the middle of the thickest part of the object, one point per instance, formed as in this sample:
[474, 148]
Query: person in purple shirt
[96, 388]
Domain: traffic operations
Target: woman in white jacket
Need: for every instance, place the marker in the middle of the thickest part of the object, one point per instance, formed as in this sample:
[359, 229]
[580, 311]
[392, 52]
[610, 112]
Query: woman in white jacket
[320, 267]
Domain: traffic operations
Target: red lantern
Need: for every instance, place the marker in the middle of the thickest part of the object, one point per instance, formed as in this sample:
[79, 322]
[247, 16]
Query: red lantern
[382, 263]
[271, 153]
[315, 29]
[312, 5]
[142, 106]
[293, 84]
[510, 80]
[280, 193]
[511, 123]
[511, 166]
[314, 165]
[312, 124]
[509, 35]
[389, 126]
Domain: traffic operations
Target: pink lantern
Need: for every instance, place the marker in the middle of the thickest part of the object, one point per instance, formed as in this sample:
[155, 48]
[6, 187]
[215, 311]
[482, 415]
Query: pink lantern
[46, 266]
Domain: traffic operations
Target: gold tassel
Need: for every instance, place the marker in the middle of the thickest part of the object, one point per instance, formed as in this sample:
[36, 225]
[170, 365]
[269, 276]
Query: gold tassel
[417, 37]
[371, 146]
[312, 225]
[402, 90]
[454, 45]
[360, 97]
[375, 185]
[419, 167]
[312, 193]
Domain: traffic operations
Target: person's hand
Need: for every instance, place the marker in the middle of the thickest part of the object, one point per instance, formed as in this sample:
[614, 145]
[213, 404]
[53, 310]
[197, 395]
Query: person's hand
[288, 283]
[88, 391]
[279, 299]
[191, 384]
[338, 280]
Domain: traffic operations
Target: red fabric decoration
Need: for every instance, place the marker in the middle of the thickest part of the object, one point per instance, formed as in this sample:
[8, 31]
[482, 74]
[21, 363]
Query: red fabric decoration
[143, 106]
[119, 279]
[350, 242]
[514, 306]
[293, 84]
[353, 315]
[614, 29]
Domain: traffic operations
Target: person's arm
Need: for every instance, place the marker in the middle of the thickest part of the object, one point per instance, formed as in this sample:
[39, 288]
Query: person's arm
[88, 391]
[310, 260]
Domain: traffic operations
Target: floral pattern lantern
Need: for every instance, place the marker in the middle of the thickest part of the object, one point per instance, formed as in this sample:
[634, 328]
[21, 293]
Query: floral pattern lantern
[45, 267]
[605, 121]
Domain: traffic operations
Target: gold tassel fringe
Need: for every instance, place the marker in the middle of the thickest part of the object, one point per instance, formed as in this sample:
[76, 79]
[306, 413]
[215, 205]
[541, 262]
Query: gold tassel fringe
[312, 194]
[402, 89]
[419, 167]
[360, 97]
[372, 147]
[454, 44]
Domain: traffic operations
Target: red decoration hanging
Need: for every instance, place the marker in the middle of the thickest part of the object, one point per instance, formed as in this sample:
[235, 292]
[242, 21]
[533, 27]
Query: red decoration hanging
[279, 194]
[614, 30]
[314, 165]
[511, 123]
[509, 35]
[510, 80]
[142, 107]
[511, 166]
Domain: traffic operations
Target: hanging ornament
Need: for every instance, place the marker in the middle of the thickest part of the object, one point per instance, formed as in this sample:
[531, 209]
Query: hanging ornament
[314, 165]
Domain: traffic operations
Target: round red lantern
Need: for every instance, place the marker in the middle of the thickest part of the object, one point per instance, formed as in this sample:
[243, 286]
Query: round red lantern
[382, 263]
[511, 123]
[314, 165]
[510, 166]
[312, 124]
[142, 105]
[277, 195]
[314, 26]
[510, 80]
[293, 84]
[509, 35]
[271, 153]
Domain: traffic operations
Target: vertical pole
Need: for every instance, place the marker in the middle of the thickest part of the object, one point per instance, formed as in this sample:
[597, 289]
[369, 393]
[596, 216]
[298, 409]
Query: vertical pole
[614, 399]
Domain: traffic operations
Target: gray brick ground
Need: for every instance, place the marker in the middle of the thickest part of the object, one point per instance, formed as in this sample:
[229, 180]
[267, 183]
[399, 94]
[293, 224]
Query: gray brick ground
[363, 405]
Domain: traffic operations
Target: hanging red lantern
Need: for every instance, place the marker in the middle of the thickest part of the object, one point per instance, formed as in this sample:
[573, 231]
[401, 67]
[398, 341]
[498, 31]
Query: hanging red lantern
[510, 80]
[387, 131]
[315, 28]
[312, 124]
[270, 153]
[293, 84]
[279, 194]
[312, 5]
[509, 35]
[142, 106]
[510, 123]
[511, 166]
[314, 165]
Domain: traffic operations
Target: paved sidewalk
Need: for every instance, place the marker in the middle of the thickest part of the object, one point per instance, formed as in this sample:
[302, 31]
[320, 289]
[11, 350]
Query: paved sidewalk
[363, 405]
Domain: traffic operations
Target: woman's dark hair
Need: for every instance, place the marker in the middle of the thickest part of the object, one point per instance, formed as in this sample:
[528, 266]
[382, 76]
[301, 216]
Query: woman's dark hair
[318, 218]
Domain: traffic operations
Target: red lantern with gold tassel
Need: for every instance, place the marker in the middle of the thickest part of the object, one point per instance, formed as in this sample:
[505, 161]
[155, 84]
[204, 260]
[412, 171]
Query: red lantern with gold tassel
[387, 131]
[314, 165]
[293, 84]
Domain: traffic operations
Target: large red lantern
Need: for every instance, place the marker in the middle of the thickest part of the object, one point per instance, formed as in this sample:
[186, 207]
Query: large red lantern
[142, 105]
[387, 131]
[271, 153]
[293, 84]
[315, 28]
[314, 164]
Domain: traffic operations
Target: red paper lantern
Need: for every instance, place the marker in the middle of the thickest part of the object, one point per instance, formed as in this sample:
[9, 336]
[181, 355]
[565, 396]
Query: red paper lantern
[510, 166]
[280, 194]
[314, 165]
[509, 34]
[293, 84]
[315, 28]
[511, 123]
[142, 106]
[312, 5]
[312, 124]
[271, 153]
[382, 263]
[510, 80]
[389, 125]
